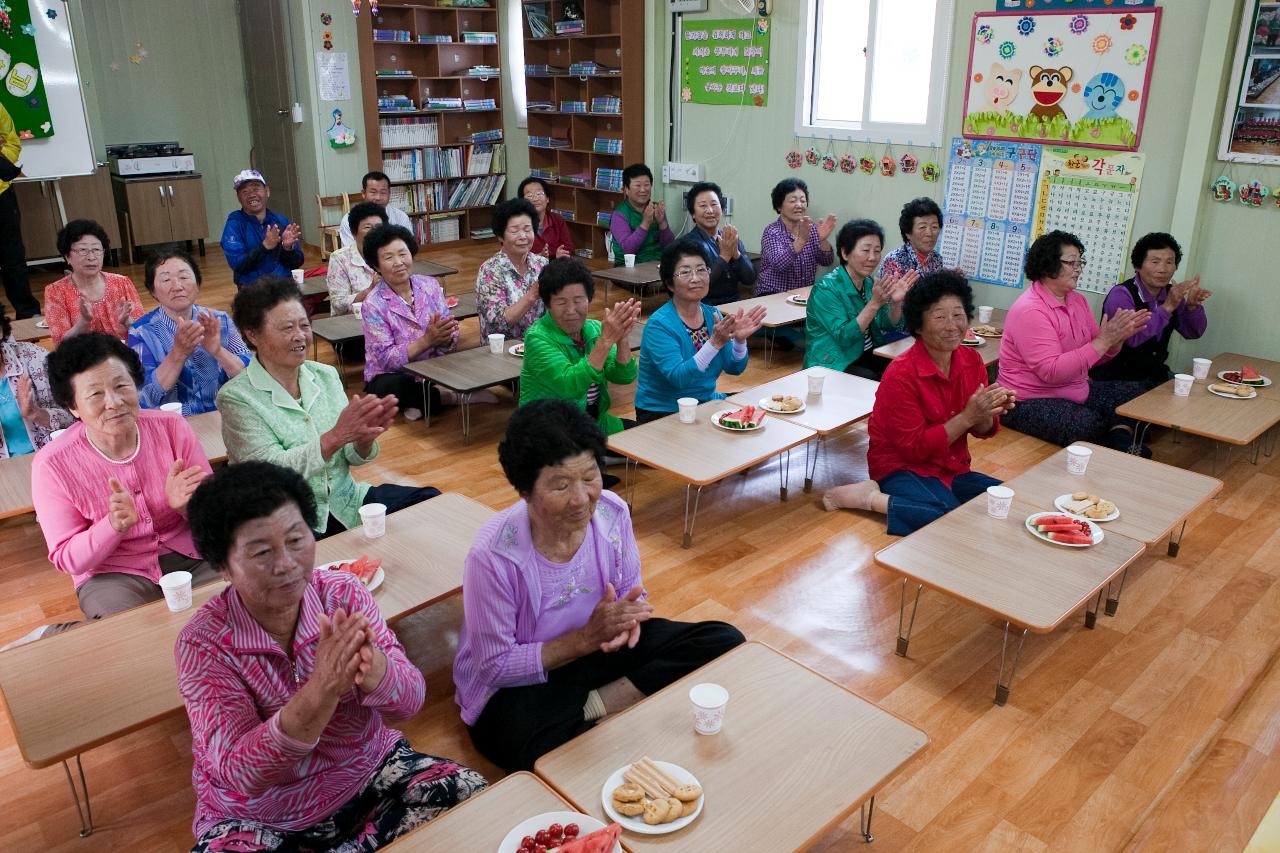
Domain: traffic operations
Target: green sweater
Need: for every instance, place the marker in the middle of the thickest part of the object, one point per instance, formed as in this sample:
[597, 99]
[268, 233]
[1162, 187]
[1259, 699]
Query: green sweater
[261, 420]
[555, 368]
[833, 337]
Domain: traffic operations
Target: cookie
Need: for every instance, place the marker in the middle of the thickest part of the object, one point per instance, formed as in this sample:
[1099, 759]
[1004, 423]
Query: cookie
[628, 792]
[689, 808]
[628, 809]
[687, 793]
[1080, 496]
[655, 812]
[674, 809]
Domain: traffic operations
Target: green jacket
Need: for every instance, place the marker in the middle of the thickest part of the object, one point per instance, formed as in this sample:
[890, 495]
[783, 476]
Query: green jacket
[261, 420]
[555, 368]
[832, 336]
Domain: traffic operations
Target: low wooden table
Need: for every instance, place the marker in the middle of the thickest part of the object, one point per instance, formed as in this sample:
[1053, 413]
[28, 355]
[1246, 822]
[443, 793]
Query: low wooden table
[1234, 361]
[28, 330]
[73, 691]
[642, 279]
[797, 754]
[779, 312]
[990, 349]
[480, 823]
[340, 329]
[701, 454]
[845, 400]
[998, 566]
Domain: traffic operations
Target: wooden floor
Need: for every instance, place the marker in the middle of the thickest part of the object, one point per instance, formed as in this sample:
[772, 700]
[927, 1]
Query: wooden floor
[1159, 730]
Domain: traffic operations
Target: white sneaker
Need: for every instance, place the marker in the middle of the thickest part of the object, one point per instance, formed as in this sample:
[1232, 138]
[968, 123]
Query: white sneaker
[413, 414]
[30, 637]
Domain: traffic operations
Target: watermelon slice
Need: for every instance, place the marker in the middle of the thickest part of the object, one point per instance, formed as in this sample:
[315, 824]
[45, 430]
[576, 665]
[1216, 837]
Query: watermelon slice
[1249, 376]
[365, 568]
[600, 841]
[744, 418]
[1070, 538]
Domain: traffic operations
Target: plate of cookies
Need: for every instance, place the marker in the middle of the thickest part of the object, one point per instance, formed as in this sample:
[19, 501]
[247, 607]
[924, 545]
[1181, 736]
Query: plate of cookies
[782, 404]
[652, 797]
[1085, 505]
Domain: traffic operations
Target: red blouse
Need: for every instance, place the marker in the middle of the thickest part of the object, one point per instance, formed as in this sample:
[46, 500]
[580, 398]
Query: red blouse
[62, 306]
[555, 233]
[913, 404]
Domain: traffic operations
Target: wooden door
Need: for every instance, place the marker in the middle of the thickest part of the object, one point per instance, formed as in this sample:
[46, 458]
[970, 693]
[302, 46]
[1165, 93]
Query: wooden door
[263, 29]
[186, 208]
[89, 197]
[149, 211]
[40, 222]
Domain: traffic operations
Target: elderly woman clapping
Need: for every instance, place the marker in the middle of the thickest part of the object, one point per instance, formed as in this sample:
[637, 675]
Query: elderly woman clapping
[287, 676]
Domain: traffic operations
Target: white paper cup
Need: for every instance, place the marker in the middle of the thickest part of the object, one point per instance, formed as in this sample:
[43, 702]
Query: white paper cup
[999, 499]
[1078, 459]
[1200, 367]
[177, 590]
[57, 432]
[496, 343]
[374, 519]
[629, 260]
[298, 276]
[815, 383]
[984, 313]
[688, 409]
[176, 408]
[357, 308]
[708, 707]
[1182, 383]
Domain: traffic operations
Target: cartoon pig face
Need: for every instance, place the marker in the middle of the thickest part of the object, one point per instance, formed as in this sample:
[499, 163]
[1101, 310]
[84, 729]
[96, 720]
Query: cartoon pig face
[1002, 87]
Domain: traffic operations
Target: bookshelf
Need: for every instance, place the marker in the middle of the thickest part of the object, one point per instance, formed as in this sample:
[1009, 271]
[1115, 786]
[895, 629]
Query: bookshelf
[585, 88]
[432, 95]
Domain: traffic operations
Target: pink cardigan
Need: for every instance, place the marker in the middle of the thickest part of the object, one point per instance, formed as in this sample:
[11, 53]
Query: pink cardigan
[1047, 349]
[69, 484]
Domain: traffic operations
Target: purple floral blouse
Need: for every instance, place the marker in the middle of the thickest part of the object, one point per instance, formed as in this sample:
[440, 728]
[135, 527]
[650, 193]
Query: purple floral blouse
[19, 358]
[390, 325]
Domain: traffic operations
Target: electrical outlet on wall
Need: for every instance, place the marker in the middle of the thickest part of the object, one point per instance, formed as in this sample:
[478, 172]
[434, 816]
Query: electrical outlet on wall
[686, 173]
[728, 205]
[687, 5]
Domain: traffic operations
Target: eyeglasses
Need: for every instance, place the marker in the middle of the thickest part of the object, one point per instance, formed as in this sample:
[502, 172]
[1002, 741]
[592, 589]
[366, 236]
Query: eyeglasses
[689, 273]
[530, 196]
[1075, 265]
[87, 253]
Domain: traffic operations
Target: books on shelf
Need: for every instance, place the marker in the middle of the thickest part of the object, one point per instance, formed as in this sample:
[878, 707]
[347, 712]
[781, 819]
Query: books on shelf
[444, 103]
[607, 105]
[427, 38]
[396, 104]
[566, 215]
[404, 165]
[441, 228]
[603, 218]
[604, 145]
[485, 159]
[494, 135]
[573, 106]
[541, 106]
[573, 25]
[580, 179]
[481, 233]
[464, 4]
[476, 192]
[479, 104]
[445, 195]
[535, 15]
[392, 35]
[485, 71]
[609, 179]
[393, 72]
[548, 142]
[479, 38]
[546, 174]
[399, 132]
[592, 69]
[545, 71]
[585, 252]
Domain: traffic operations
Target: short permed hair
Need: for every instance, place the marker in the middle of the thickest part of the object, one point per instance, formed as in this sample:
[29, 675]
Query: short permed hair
[853, 231]
[383, 236]
[784, 188]
[237, 494]
[159, 257]
[543, 433]
[77, 229]
[509, 210]
[532, 179]
[1044, 258]
[636, 170]
[252, 303]
[686, 247]
[373, 176]
[362, 211]
[562, 272]
[82, 352]
[691, 197]
[927, 291]
[1152, 242]
[916, 209]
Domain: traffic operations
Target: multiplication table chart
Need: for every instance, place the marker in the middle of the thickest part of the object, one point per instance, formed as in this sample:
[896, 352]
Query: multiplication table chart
[987, 211]
[1093, 197]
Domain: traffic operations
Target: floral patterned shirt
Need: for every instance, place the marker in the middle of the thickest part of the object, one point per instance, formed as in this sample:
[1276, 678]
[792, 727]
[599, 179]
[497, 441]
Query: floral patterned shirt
[28, 358]
[391, 324]
[499, 286]
[348, 275]
[905, 258]
[62, 306]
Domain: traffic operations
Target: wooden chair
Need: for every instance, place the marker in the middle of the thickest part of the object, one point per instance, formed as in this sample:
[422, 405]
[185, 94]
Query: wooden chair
[330, 242]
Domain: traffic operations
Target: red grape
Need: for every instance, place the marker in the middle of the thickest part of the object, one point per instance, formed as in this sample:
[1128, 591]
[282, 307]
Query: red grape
[555, 830]
[571, 831]
[542, 837]
[539, 849]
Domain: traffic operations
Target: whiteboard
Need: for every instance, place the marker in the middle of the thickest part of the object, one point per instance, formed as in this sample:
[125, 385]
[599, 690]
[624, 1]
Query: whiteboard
[69, 151]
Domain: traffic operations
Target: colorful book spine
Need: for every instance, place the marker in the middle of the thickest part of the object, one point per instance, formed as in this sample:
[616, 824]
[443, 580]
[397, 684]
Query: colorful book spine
[602, 145]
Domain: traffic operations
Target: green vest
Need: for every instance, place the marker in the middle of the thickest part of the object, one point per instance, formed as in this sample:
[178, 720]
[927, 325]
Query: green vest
[650, 249]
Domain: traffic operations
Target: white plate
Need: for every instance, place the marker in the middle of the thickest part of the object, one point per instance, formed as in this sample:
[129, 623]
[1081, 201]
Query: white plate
[1060, 500]
[41, 324]
[980, 341]
[1252, 394]
[636, 824]
[1093, 528]
[1263, 384]
[517, 350]
[715, 420]
[586, 823]
[767, 404]
[802, 301]
[378, 577]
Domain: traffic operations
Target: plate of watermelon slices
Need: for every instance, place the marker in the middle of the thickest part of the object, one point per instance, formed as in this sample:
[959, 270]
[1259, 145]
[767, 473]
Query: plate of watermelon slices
[1062, 529]
[1244, 376]
[746, 419]
[368, 569]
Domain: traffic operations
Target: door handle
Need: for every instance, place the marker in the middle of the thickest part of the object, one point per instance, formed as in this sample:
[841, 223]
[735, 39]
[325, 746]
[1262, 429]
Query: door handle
[170, 192]
[282, 112]
[161, 194]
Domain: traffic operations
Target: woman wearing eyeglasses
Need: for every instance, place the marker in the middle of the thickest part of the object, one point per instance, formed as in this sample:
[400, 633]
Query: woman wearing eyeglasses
[1051, 341]
[88, 299]
[553, 239]
[687, 344]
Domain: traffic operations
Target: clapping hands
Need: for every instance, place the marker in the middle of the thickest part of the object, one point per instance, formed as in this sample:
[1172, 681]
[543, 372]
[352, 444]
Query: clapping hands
[365, 418]
[825, 227]
[346, 654]
[1120, 326]
[615, 622]
[440, 330]
[180, 484]
[987, 402]
[121, 511]
[738, 326]
[892, 289]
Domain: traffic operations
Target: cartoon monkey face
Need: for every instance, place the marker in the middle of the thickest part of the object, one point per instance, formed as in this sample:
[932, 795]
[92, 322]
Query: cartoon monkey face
[1049, 85]
[1002, 87]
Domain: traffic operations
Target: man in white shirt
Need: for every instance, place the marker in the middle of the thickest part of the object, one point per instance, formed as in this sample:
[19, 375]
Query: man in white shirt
[376, 187]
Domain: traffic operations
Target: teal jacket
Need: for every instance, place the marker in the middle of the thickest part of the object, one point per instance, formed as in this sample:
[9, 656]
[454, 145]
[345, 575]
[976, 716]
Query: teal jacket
[833, 337]
[555, 368]
[667, 369]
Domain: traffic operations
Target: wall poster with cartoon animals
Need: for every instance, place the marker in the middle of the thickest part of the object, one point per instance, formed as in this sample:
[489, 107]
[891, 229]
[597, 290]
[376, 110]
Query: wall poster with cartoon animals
[1077, 76]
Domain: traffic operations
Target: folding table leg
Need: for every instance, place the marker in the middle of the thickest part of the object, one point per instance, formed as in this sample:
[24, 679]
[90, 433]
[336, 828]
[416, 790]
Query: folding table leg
[426, 402]
[466, 418]
[811, 468]
[1140, 435]
[868, 811]
[904, 640]
[769, 335]
[690, 519]
[1003, 687]
[1175, 542]
[1113, 604]
[628, 483]
[1091, 611]
[86, 816]
[784, 474]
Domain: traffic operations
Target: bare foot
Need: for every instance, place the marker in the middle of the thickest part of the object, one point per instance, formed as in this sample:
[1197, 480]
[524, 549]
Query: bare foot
[853, 496]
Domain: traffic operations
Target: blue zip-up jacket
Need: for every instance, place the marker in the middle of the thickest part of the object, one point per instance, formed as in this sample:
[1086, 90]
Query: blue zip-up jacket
[667, 369]
[242, 244]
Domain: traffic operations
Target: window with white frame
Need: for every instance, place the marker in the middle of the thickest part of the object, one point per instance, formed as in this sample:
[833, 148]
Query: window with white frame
[875, 69]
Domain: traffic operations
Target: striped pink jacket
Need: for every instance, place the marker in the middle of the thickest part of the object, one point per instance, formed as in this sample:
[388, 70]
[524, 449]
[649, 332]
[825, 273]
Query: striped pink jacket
[235, 679]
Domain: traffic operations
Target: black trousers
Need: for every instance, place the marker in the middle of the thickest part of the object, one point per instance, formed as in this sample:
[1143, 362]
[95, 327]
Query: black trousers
[521, 724]
[644, 416]
[13, 259]
[868, 366]
[407, 391]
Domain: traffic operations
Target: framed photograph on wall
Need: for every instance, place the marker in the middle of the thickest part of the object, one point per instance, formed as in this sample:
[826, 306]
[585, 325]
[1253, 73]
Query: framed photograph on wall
[1251, 120]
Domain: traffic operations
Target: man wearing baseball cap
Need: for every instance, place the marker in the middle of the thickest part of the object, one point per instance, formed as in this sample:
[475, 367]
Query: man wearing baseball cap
[258, 242]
